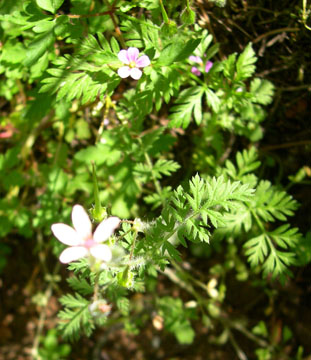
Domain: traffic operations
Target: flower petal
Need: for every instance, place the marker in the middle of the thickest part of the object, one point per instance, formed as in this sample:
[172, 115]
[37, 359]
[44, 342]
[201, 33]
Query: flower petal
[132, 54]
[143, 61]
[196, 59]
[208, 66]
[65, 234]
[135, 73]
[105, 229]
[195, 71]
[72, 253]
[101, 252]
[123, 57]
[124, 72]
[81, 222]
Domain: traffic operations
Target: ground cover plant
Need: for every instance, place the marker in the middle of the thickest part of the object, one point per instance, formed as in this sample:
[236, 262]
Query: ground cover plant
[155, 180]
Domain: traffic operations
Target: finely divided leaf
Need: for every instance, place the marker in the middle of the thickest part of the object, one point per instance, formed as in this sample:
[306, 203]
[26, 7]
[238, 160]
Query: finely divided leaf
[245, 64]
[262, 91]
[188, 103]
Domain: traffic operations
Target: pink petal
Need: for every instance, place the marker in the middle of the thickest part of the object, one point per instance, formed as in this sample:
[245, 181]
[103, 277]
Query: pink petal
[101, 252]
[105, 229]
[72, 254]
[124, 72]
[123, 57]
[195, 71]
[143, 61]
[132, 54]
[208, 66]
[135, 73]
[81, 222]
[65, 234]
[196, 59]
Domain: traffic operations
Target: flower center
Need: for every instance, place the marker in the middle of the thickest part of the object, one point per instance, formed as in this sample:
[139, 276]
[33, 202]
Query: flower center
[89, 243]
[132, 64]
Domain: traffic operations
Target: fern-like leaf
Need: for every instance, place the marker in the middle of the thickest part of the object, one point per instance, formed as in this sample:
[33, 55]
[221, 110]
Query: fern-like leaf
[245, 64]
[272, 203]
[75, 318]
[263, 249]
[188, 104]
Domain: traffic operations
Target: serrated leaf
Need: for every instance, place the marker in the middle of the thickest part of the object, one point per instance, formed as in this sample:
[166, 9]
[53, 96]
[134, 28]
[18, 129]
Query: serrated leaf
[165, 167]
[262, 91]
[245, 64]
[212, 100]
[189, 102]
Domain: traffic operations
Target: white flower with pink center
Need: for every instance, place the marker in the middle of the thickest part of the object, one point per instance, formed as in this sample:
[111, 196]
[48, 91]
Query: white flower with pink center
[133, 62]
[81, 241]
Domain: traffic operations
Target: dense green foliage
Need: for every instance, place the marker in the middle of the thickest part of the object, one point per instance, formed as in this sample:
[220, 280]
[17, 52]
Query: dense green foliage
[158, 145]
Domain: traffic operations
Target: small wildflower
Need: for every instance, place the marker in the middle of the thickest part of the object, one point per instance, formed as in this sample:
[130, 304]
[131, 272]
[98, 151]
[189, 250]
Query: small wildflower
[80, 239]
[132, 63]
[199, 61]
[100, 308]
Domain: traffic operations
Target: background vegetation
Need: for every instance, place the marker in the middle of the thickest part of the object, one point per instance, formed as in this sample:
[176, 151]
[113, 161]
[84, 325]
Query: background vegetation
[216, 166]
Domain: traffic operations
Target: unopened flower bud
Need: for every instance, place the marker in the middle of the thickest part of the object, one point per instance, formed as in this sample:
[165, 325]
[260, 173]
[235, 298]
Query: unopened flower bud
[169, 28]
[188, 16]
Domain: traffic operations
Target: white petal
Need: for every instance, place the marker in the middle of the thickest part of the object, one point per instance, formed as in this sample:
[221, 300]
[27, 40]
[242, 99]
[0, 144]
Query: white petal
[72, 253]
[123, 57]
[143, 61]
[124, 72]
[65, 234]
[135, 73]
[132, 53]
[81, 222]
[101, 252]
[105, 229]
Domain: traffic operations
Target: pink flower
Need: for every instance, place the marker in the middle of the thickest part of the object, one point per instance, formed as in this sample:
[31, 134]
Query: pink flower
[132, 63]
[199, 61]
[80, 239]
[208, 66]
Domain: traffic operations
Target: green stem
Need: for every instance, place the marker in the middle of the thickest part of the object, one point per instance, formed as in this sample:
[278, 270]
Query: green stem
[96, 192]
[133, 245]
[96, 286]
[164, 13]
[155, 181]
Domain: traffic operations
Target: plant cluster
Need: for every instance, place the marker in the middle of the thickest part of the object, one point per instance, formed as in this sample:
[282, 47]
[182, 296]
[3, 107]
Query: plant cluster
[128, 110]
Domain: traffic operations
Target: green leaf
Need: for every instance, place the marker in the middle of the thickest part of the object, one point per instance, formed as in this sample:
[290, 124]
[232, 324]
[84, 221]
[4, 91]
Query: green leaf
[38, 47]
[189, 102]
[271, 203]
[165, 167]
[245, 64]
[177, 51]
[50, 5]
[262, 91]
[75, 318]
[184, 333]
[212, 100]
[263, 250]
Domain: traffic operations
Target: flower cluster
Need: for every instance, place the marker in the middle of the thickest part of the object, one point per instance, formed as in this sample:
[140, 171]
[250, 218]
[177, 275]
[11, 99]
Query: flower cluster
[199, 61]
[81, 241]
[132, 62]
